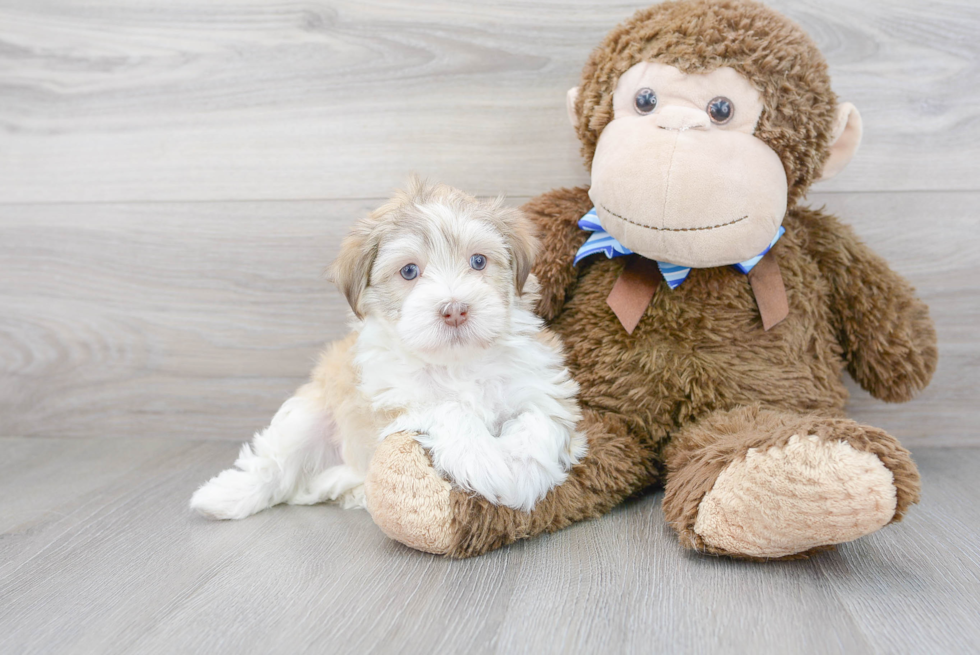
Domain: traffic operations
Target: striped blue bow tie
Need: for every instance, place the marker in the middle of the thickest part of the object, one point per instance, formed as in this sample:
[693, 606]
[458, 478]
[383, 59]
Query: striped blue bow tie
[602, 241]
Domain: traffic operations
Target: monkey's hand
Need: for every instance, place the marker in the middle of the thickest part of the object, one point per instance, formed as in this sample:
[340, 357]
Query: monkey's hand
[888, 339]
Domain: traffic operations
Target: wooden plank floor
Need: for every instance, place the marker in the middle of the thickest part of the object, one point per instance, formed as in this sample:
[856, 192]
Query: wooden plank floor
[99, 554]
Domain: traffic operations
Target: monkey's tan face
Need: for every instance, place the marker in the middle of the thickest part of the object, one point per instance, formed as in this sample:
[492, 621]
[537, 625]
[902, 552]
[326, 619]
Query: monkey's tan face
[678, 175]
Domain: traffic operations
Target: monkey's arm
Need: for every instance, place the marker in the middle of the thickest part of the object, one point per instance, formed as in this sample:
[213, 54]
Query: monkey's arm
[556, 214]
[889, 341]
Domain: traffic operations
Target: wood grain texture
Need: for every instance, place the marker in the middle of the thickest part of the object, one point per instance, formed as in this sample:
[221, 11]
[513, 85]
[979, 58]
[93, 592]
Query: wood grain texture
[197, 320]
[278, 99]
[187, 320]
[99, 554]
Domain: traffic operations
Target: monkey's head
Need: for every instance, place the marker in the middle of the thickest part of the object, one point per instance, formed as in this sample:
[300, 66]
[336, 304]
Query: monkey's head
[703, 120]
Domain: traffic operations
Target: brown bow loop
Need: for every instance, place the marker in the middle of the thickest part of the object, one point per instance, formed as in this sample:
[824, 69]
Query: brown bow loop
[634, 289]
[770, 293]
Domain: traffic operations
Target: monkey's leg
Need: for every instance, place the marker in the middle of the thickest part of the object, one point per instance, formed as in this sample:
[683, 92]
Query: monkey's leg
[413, 505]
[763, 484]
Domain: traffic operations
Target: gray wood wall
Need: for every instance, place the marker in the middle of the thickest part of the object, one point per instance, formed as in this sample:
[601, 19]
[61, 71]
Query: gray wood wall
[175, 176]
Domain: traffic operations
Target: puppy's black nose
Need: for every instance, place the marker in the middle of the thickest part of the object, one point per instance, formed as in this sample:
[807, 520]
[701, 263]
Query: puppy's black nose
[455, 313]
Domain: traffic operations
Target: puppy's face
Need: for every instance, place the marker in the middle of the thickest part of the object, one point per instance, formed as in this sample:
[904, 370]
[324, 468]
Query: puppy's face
[440, 268]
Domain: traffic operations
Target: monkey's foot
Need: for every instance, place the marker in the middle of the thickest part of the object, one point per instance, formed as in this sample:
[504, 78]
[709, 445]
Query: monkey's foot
[406, 497]
[797, 498]
[806, 486]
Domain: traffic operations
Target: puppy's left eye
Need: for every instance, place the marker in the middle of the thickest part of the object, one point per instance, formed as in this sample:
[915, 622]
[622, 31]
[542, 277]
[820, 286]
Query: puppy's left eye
[479, 262]
[410, 271]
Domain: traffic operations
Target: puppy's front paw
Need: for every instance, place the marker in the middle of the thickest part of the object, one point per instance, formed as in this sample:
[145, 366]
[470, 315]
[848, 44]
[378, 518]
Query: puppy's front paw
[530, 482]
[233, 494]
[538, 455]
[408, 422]
[480, 471]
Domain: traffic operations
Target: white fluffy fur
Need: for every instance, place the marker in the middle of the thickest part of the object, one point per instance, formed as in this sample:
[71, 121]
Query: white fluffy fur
[275, 468]
[495, 423]
[491, 399]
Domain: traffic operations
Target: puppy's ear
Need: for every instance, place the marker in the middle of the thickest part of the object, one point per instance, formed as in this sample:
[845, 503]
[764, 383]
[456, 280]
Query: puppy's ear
[351, 271]
[522, 243]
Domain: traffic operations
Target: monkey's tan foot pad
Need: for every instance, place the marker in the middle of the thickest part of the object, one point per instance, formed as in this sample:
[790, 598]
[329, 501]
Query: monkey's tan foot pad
[790, 499]
[406, 497]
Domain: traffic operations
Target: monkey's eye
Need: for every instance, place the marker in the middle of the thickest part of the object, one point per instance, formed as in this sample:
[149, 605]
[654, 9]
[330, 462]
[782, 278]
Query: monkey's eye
[645, 101]
[721, 110]
[479, 262]
[410, 271]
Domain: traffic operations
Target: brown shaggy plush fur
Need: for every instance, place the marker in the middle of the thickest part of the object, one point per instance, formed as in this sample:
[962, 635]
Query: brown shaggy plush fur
[699, 381]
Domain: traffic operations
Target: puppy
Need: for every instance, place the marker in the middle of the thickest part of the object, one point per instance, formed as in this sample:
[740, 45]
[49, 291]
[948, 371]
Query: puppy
[445, 346]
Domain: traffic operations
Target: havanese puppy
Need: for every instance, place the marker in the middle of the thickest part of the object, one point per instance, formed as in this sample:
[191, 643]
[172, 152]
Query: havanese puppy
[445, 346]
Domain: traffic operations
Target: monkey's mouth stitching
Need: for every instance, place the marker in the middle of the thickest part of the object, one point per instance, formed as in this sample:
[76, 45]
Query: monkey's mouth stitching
[673, 229]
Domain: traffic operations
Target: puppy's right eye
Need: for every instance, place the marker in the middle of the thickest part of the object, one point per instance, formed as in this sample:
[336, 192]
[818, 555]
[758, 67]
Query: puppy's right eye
[410, 271]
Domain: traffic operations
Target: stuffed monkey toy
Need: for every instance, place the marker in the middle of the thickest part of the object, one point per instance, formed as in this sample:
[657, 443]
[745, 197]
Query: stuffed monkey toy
[706, 314]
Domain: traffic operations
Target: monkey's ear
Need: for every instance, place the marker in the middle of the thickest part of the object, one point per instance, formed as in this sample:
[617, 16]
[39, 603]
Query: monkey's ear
[352, 270]
[570, 99]
[844, 141]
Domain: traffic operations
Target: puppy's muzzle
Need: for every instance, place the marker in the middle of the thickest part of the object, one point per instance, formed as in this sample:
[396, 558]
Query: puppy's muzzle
[454, 313]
